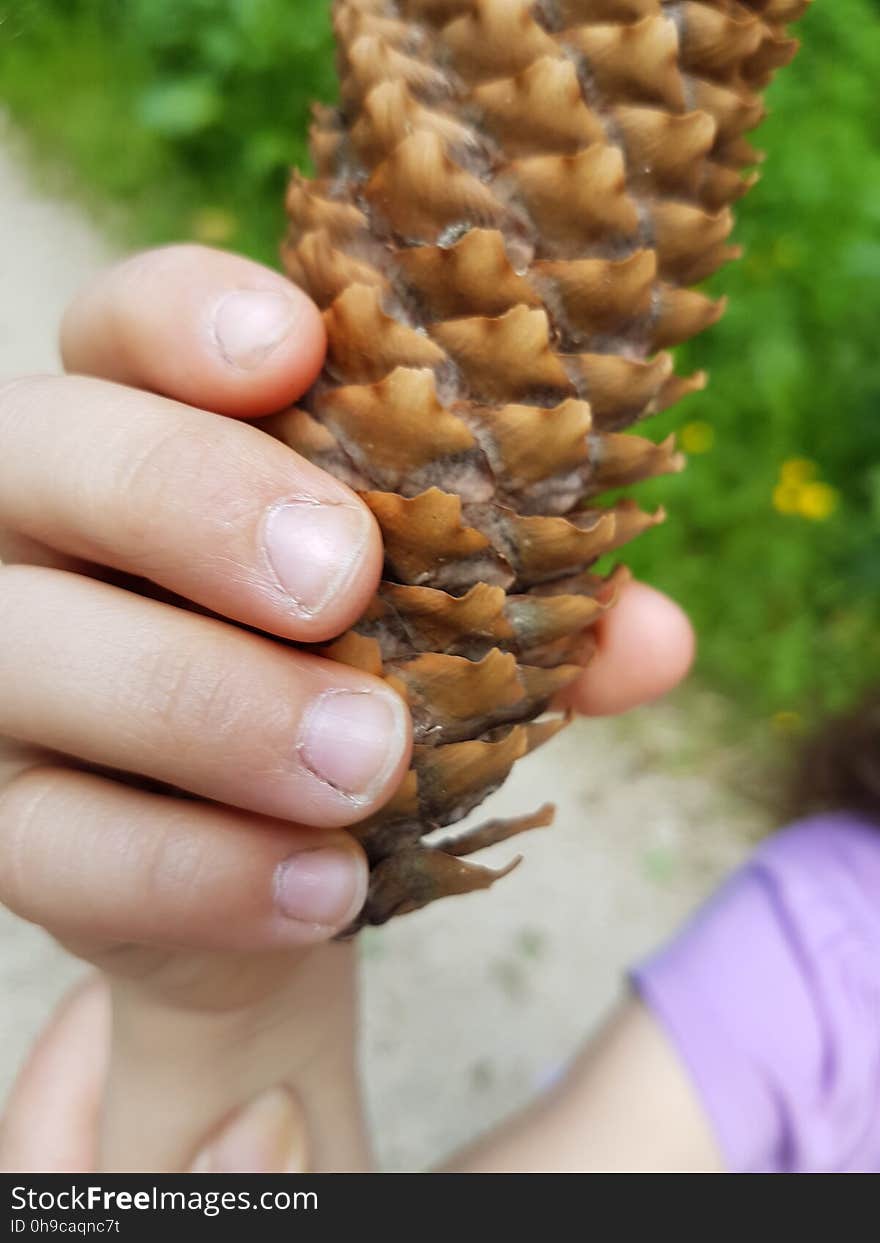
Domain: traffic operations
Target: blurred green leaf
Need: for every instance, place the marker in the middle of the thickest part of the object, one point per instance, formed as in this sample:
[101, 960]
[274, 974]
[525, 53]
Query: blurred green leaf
[179, 107]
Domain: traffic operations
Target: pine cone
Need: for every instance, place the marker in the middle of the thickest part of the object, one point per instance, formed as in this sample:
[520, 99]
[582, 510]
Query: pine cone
[511, 201]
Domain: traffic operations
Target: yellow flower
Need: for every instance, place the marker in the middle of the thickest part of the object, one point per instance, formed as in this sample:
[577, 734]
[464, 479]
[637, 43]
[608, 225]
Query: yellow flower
[213, 225]
[697, 437]
[817, 501]
[798, 470]
[787, 498]
[787, 723]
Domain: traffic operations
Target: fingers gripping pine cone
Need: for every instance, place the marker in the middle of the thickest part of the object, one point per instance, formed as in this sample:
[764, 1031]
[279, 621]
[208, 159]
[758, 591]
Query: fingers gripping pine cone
[511, 202]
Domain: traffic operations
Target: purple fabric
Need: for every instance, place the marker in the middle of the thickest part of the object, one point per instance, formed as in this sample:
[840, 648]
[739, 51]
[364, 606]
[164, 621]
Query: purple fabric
[771, 996]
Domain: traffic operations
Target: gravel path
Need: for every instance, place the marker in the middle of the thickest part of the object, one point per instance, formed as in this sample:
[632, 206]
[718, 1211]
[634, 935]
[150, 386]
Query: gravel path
[472, 1005]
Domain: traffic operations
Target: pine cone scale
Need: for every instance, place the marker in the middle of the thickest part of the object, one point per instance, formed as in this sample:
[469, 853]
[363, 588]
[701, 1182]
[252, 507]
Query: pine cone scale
[511, 203]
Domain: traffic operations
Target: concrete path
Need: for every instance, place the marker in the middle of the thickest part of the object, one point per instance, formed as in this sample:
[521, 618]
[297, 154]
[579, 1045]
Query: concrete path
[472, 1005]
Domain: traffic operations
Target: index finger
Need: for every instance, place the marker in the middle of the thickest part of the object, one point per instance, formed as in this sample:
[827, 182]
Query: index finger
[212, 329]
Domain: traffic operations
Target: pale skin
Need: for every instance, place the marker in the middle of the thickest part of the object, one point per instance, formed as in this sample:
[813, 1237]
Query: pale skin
[626, 1105]
[208, 916]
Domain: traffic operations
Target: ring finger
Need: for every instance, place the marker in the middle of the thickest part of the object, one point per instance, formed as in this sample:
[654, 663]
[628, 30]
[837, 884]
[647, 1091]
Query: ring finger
[127, 683]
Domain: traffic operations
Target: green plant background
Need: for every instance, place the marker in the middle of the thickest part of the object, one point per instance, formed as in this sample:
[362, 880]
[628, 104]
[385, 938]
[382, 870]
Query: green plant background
[186, 114]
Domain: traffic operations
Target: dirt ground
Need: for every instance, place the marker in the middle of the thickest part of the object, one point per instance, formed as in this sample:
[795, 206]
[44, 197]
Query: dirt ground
[472, 1006]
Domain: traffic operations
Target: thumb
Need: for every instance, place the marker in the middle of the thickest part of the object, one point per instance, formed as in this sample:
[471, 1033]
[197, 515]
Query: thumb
[268, 1136]
[51, 1120]
[50, 1123]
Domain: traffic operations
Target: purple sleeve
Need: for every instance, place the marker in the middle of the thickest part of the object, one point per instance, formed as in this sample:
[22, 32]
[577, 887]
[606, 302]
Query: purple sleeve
[772, 998]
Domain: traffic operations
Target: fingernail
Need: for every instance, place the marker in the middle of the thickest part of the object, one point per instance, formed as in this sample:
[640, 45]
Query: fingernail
[313, 549]
[267, 1137]
[250, 323]
[319, 886]
[353, 740]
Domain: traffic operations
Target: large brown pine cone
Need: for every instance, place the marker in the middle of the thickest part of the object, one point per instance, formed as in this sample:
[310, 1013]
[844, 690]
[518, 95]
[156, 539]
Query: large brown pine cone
[512, 200]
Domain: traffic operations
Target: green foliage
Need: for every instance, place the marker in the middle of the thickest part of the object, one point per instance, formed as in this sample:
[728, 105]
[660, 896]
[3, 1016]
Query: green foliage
[788, 607]
[187, 114]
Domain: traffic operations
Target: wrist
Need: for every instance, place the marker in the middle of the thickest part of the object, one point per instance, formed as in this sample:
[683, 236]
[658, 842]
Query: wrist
[178, 1069]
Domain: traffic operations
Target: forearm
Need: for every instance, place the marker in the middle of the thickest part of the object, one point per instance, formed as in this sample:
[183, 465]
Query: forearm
[626, 1104]
[757, 1026]
[177, 1071]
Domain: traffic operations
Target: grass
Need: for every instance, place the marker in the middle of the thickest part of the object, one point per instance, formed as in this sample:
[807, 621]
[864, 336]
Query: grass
[184, 115]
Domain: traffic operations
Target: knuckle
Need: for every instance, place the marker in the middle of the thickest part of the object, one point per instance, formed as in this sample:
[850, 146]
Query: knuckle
[188, 698]
[22, 812]
[152, 465]
[18, 394]
[17, 600]
[151, 481]
[174, 477]
[174, 867]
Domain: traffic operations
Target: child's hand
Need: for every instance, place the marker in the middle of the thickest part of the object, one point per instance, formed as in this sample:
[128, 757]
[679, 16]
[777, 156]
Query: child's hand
[106, 490]
[280, 748]
[51, 1120]
[101, 479]
[109, 493]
